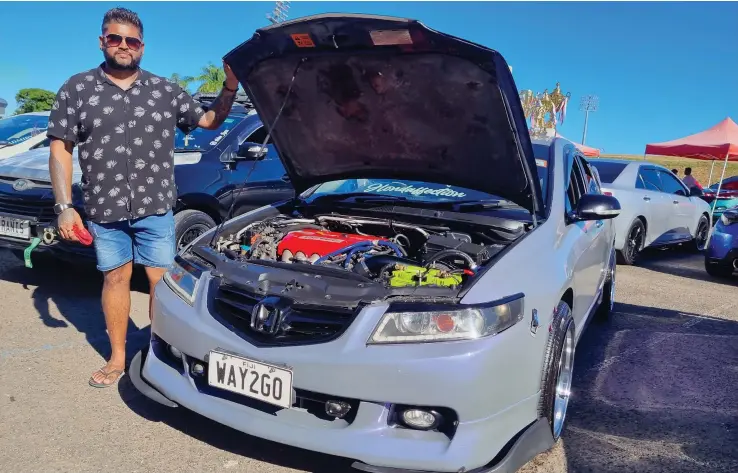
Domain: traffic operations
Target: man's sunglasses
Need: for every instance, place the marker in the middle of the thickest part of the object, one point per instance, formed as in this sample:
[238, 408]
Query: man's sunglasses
[114, 40]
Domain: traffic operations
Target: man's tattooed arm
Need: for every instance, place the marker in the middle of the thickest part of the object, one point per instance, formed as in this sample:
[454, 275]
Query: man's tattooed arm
[221, 106]
[60, 171]
[219, 109]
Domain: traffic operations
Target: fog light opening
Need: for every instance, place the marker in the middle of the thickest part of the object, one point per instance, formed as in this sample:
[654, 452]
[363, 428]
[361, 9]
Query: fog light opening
[421, 419]
[337, 409]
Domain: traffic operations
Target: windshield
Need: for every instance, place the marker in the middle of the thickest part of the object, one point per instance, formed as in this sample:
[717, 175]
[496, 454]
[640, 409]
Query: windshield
[202, 139]
[425, 191]
[608, 171]
[17, 129]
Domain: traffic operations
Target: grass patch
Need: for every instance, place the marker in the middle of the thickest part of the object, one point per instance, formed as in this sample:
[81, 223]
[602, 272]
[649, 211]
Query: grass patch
[700, 169]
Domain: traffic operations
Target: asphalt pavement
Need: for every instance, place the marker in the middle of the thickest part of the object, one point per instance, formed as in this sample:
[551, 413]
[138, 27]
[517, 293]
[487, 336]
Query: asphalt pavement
[655, 388]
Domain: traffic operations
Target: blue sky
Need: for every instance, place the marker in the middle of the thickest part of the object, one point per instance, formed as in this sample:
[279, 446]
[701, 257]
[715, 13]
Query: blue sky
[662, 70]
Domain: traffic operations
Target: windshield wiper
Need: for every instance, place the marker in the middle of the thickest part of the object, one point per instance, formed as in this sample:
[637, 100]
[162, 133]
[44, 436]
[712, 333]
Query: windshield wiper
[485, 204]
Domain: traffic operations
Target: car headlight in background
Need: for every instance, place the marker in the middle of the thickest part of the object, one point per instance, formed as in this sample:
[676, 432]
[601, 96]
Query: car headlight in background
[729, 217]
[413, 323]
[183, 278]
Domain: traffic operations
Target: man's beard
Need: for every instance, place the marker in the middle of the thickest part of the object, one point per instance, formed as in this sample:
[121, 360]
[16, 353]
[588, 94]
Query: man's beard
[113, 64]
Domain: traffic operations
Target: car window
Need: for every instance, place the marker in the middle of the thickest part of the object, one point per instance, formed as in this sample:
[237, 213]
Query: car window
[608, 171]
[593, 187]
[258, 136]
[576, 186]
[671, 184]
[648, 179]
[201, 139]
[19, 128]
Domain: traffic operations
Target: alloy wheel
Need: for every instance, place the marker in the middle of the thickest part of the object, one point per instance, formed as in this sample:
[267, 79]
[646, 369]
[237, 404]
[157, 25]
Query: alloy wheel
[563, 383]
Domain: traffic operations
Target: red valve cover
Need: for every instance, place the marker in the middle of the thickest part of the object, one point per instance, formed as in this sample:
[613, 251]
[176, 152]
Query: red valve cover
[320, 242]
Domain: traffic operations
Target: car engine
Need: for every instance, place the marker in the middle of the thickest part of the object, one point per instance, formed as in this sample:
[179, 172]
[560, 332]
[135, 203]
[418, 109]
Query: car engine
[397, 254]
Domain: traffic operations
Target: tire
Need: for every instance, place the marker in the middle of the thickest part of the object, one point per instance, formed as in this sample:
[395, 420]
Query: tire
[608, 293]
[699, 242]
[718, 270]
[558, 370]
[190, 224]
[634, 242]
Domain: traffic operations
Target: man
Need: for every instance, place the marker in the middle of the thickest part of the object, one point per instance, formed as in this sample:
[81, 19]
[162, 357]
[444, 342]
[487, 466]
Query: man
[675, 171]
[123, 119]
[689, 180]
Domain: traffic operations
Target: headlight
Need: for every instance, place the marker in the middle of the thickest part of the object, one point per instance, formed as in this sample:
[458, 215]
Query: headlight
[408, 323]
[183, 278]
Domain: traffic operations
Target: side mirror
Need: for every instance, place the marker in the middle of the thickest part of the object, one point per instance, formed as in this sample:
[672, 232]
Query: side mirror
[596, 207]
[251, 151]
[696, 192]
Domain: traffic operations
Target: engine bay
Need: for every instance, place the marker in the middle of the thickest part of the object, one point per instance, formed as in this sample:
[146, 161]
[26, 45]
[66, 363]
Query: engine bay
[395, 254]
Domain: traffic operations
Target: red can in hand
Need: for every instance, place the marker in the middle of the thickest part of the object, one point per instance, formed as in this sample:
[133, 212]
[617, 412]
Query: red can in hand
[83, 236]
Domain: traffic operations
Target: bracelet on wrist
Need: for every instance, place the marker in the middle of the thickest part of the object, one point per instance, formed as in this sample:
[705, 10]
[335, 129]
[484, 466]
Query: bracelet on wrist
[229, 89]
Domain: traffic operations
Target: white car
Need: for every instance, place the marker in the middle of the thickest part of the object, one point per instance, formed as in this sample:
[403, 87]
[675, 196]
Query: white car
[23, 132]
[657, 208]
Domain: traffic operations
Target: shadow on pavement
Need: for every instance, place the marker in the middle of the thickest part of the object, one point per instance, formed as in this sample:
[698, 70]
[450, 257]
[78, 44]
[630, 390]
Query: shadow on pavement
[679, 262]
[655, 391]
[225, 438]
[75, 290]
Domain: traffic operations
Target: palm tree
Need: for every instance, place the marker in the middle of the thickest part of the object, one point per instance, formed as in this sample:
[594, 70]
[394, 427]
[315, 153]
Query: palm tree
[183, 82]
[211, 79]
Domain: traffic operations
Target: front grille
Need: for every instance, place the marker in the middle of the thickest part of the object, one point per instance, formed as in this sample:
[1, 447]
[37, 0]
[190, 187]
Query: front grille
[232, 306]
[40, 209]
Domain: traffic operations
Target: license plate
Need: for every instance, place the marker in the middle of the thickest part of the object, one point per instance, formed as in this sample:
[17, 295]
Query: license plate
[250, 378]
[15, 227]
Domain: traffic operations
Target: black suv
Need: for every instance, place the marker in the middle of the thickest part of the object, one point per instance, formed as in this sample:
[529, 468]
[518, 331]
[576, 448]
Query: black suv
[211, 170]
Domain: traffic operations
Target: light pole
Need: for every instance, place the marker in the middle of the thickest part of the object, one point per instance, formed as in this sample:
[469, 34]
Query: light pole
[279, 14]
[588, 103]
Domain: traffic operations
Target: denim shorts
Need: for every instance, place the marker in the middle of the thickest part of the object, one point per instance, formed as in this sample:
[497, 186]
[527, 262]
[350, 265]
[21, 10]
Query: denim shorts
[148, 241]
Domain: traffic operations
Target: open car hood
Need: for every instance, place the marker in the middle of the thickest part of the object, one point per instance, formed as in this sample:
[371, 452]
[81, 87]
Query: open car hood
[383, 97]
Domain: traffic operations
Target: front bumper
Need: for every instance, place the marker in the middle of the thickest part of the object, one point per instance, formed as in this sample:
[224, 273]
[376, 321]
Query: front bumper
[723, 248]
[479, 381]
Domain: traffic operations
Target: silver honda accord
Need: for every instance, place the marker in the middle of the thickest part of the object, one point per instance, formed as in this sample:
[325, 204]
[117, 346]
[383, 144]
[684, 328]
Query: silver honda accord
[418, 305]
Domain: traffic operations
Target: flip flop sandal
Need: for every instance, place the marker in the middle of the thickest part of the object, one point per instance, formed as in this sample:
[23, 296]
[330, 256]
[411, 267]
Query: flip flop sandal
[95, 384]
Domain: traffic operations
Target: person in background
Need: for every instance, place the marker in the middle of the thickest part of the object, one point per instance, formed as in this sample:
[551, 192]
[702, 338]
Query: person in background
[122, 119]
[689, 180]
[675, 171]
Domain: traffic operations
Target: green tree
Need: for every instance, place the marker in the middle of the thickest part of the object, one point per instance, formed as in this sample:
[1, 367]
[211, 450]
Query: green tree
[34, 100]
[182, 81]
[211, 79]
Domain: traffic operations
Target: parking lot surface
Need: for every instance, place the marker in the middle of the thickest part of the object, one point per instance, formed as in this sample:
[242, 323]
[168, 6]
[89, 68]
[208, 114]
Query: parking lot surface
[655, 389]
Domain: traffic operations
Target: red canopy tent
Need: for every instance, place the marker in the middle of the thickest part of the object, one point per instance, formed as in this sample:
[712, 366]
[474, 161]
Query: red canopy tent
[716, 143]
[586, 150]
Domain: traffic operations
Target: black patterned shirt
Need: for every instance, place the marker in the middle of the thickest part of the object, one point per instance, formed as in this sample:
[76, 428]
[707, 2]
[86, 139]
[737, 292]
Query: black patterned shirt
[125, 141]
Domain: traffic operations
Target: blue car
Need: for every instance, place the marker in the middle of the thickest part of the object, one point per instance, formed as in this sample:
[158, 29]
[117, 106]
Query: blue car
[721, 257]
[219, 174]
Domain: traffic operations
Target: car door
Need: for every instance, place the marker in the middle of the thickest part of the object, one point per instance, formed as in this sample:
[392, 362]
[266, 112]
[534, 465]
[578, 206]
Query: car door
[656, 206]
[683, 211]
[581, 259]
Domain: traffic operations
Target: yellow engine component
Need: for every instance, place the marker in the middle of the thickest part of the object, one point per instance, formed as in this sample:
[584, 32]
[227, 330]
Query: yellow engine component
[405, 275]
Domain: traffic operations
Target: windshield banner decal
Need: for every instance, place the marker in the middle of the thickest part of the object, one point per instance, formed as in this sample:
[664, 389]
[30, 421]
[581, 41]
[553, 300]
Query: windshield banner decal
[403, 188]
